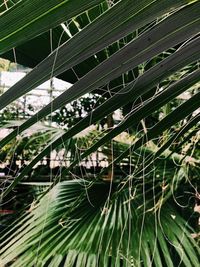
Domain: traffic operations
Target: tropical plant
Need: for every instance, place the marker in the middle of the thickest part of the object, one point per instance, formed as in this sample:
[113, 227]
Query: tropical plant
[141, 53]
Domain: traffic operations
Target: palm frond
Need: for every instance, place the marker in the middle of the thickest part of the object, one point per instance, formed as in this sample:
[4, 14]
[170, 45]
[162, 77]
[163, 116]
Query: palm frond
[83, 224]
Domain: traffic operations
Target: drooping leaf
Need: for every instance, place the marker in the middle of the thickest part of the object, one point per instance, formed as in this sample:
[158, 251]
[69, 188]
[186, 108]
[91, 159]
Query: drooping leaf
[171, 31]
[186, 55]
[189, 53]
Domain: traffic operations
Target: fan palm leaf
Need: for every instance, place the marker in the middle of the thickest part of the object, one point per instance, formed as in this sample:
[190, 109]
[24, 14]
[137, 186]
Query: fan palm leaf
[97, 225]
[135, 221]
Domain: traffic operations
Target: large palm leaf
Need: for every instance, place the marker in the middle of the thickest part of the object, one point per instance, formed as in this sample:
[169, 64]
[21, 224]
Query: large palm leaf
[174, 29]
[113, 231]
[100, 225]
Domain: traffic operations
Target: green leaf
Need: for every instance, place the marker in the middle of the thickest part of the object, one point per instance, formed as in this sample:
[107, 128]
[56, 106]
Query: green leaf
[98, 224]
[178, 114]
[169, 65]
[186, 55]
[78, 233]
[172, 30]
[28, 18]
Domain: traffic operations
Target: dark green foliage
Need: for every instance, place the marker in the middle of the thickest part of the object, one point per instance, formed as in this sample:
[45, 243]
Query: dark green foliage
[141, 56]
